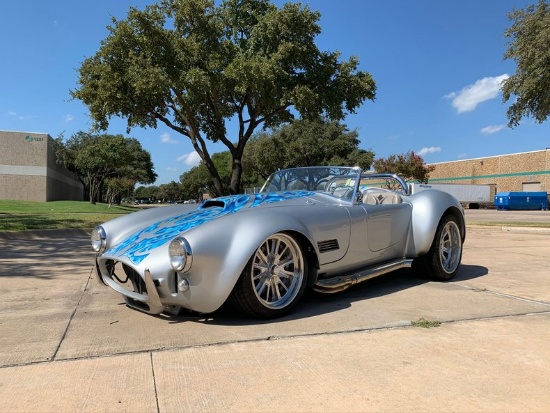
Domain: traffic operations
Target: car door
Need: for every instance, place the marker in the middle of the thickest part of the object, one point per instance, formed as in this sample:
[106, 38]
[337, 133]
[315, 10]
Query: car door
[387, 225]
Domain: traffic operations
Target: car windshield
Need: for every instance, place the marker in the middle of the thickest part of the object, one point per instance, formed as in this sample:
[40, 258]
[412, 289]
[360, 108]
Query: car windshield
[337, 181]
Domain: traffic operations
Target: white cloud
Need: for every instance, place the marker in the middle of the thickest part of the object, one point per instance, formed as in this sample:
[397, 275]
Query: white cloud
[165, 138]
[172, 169]
[18, 116]
[428, 150]
[191, 159]
[69, 118]
[462, 156]
[487, 130]
[469, 97]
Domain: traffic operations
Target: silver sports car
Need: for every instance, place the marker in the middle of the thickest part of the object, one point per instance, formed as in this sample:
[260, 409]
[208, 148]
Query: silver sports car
[325, 228]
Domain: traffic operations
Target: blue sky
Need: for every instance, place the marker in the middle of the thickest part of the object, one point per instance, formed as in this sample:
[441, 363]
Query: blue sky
[437, 65]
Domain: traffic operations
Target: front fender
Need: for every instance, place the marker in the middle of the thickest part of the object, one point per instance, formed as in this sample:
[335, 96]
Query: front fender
[220, 255]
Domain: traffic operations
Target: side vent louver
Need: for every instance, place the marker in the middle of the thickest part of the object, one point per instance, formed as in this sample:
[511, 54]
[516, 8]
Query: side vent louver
[329, 245]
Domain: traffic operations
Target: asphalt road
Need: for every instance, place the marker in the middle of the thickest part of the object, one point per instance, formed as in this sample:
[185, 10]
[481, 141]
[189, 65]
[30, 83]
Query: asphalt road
[69, 344]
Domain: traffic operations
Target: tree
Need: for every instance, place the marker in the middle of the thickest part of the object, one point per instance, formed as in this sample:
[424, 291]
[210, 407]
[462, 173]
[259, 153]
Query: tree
[105, 159]
[150, 192]
[306, 143]
[529, 46]
[197, 181]
[170, 192]
[116, 187]
[409, 166]
[193, 66]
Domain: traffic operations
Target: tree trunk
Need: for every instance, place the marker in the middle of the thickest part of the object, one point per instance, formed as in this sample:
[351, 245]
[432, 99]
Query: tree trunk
[236, 173]
[218, 185]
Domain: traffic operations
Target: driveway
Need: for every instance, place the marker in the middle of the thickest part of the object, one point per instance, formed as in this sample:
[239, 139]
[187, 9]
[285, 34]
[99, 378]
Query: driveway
[69, 344]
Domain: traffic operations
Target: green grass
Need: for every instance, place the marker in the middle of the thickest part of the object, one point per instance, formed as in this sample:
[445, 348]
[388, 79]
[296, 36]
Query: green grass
[423, 323]
[27, 215]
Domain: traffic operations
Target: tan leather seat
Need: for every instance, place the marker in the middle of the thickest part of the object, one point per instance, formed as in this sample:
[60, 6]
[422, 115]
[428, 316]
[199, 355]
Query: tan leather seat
[380, 197]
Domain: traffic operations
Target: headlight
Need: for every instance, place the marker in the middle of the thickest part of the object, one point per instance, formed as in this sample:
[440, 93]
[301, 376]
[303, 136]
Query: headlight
[180, 254]
[99, 239]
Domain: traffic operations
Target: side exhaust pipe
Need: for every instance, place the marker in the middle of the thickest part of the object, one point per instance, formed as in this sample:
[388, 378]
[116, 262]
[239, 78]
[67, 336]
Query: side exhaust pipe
[343, 282]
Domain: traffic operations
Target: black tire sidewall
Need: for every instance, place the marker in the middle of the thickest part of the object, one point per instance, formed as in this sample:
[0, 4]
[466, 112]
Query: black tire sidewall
[431, 263]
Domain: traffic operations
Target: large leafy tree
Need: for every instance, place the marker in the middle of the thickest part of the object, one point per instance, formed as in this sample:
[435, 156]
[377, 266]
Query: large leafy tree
[193, 65]
[170, 192]
[410, 166]
[305, 143]
[198, 181]
[105, 160]
[529, 46]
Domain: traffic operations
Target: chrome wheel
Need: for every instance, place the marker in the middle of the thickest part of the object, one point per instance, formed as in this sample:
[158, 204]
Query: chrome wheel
[450, 247]
[277, 272]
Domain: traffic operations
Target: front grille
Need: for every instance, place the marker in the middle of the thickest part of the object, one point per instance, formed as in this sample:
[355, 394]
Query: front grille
[328, 245]
[126, 277]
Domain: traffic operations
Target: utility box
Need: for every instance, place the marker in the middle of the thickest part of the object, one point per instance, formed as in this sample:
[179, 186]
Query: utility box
[521, 201]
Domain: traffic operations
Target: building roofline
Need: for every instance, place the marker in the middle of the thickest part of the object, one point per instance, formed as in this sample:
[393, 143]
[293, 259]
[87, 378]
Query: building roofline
[489, 157]
[18, 131]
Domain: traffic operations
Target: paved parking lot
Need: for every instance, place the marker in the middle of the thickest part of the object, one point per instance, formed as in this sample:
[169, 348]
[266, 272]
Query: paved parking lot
[68, 344]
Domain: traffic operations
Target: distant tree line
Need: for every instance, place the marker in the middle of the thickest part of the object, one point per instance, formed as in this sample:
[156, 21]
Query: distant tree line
[109, 166]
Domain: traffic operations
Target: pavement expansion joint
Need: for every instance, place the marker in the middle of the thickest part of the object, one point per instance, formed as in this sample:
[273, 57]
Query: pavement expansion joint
[512, 296]
[54, 356]
[154, 381]
[393, 326]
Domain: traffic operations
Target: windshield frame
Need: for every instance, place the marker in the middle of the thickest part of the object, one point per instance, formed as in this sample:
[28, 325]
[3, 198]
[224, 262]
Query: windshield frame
[340, 182]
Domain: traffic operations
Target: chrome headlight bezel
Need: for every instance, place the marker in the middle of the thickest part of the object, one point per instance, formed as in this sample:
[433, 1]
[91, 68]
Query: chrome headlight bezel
[181, 256]
[98, 239]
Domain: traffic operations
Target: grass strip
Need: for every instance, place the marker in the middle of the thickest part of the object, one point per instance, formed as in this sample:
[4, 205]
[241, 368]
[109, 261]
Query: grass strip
[28, 215]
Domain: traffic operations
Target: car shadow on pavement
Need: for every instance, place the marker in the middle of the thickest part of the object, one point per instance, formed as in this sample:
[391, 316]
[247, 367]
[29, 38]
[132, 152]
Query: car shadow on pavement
[44, 257]
[315, 304]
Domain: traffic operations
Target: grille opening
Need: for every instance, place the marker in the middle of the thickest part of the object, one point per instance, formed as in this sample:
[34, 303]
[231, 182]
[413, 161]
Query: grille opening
[126, 277]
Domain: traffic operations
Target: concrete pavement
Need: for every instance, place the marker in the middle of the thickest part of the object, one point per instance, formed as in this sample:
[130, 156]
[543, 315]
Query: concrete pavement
[68, 344]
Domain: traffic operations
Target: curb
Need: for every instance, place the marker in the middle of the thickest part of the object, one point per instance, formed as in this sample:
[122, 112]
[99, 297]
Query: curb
[45, 233]
[526, 229]
[504, 228]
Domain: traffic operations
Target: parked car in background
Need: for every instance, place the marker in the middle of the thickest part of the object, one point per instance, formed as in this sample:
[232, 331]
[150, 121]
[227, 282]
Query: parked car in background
[325, 228]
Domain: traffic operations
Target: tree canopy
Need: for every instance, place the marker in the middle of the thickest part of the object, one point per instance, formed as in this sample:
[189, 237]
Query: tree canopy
[410, 166]
[193, 66]
[113, 161]
[529, 46]
[305, 143]
[301, 143]
[197, 181]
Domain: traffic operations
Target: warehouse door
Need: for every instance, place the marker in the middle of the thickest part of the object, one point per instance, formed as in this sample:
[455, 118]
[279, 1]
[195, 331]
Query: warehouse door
[531, 187]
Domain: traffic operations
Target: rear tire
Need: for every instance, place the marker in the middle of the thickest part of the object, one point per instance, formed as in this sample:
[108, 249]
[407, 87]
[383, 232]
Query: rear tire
[273, 280]
[443, 259]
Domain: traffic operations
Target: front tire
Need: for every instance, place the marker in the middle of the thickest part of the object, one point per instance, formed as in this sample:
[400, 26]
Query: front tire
[273, 280]
[443, 259]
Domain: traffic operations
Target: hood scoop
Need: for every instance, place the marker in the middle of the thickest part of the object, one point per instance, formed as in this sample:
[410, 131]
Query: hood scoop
[213, 203]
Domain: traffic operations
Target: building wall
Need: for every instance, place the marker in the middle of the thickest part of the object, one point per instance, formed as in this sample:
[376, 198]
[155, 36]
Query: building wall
[28, 169]
[506, 172]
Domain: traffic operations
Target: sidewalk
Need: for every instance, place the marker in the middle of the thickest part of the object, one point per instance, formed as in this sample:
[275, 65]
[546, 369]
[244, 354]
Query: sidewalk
[69, 345]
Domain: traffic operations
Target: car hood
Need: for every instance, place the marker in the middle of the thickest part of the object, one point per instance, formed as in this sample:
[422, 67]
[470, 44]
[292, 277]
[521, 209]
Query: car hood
[154, 232]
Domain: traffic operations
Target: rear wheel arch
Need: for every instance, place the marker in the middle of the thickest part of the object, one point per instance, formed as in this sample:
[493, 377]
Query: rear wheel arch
[442, 260]
[460, 218]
